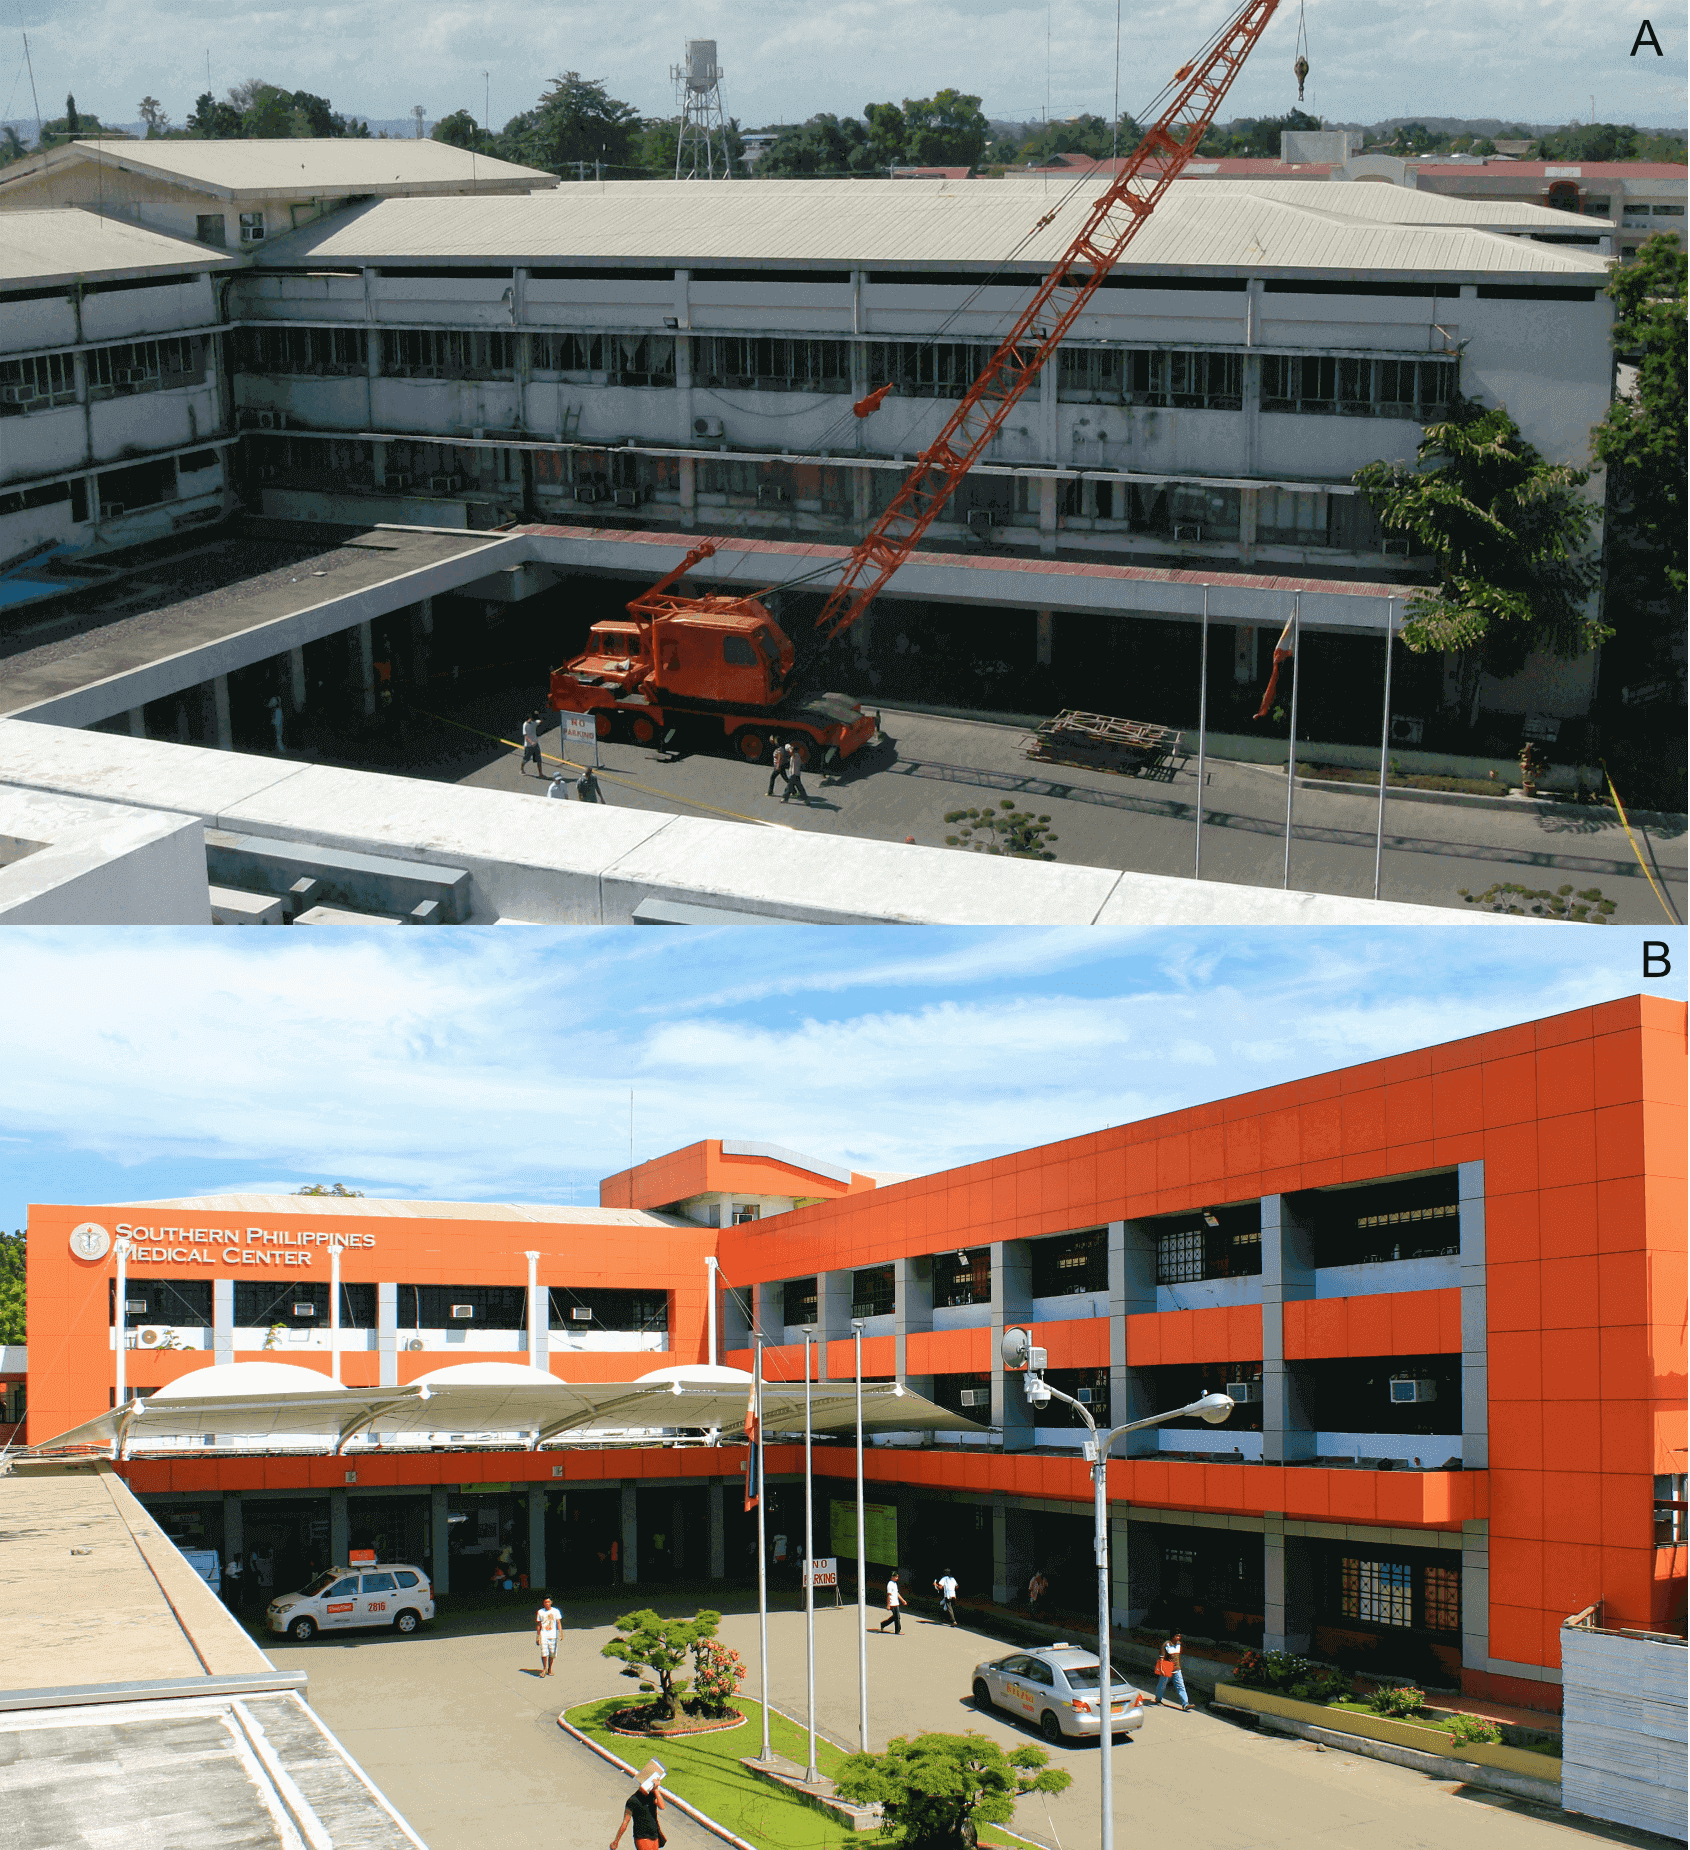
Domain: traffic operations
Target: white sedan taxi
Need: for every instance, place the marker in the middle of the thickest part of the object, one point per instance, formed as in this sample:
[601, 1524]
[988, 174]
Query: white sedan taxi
[1056, 1689]
[391, 1594]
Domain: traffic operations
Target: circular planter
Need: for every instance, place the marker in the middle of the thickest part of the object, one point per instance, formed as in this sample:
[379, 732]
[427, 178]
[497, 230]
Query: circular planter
[666, 1731]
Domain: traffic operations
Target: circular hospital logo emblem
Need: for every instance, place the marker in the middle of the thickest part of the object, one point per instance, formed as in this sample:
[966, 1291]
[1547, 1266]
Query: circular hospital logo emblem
[90, 1240]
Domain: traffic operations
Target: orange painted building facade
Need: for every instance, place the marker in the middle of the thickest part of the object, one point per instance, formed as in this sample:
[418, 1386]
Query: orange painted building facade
[1445, 1289]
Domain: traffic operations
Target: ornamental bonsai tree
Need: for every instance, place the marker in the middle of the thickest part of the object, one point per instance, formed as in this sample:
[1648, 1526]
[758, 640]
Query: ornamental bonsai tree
[938, 1789]
[661, 1646]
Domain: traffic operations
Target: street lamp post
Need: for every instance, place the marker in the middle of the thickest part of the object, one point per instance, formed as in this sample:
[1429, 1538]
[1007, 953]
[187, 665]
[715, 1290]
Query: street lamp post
[1020, 1355]
[811, 1772]
[862, 1560]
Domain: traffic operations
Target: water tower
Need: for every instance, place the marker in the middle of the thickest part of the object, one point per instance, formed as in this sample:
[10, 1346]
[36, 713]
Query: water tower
[701, 147]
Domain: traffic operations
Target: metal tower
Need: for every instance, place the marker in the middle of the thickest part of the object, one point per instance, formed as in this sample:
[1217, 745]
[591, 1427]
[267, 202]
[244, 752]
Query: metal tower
[701, 146]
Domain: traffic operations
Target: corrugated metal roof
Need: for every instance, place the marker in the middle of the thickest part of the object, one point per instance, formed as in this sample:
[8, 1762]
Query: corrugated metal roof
[44, 248]
[338, 1206]
[1368, 202]
[905, 222]
[309, 166]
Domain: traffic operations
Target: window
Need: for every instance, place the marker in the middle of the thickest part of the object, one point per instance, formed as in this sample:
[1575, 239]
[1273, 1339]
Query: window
[930, 369]
[767, 364]
[378, 1583]
[1071, 1265]
[178, 1302]
[1291, 517]
[1669, 1510]
[969, 1395]
[737, 652]
[260, 1303]
[448, 353]
[798, 1301]
[746, 1212]
[1188, 380]
[1420, 390]
[1217, 1243]
[873, 1292]
[37, 383]
[606, 359]
[212, 228]
[146, 365]
[141, 485]
[1443, 1599]
[406, 1578]
[1376, 1592]
[1667, 211]
[962, 1278]
[608, 1308]
[1089, 1386]
[492, 1307]
[1418, 1217]
[1180, 1257]
[252, 227]
[306, 350]
[48, 495]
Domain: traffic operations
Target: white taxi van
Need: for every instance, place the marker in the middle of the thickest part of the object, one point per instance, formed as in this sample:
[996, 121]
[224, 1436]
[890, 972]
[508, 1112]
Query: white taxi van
[392, 1594]
[1056, 1689]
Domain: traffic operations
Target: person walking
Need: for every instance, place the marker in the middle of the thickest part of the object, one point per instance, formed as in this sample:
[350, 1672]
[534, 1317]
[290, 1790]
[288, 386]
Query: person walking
[531, 745]
[232, 1582]
[644, 1803]
[559, 787]
[276, 723]
[548, 1621]
[894, 1606]
[945, 1587]
[1036, 1590]
[794, 776]
[587, 787]
[1168, 1670]
[777, 766]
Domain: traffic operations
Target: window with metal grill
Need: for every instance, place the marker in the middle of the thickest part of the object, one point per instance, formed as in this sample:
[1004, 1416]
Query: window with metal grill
[1418, 390]
[321, 351]
[262, 1302]
[181, 1302]
[605, 359]
[962, 1278]
[1442, 1599]
[1071, 1264]
[1217, 1243]
[1418, 1217]
[927, 369]
[447, 353]
[1182, 378]
[37, 382]
[629, 1312]
[1376, 1592]
[798, 1302]
[145, 366]
[874, 1292]
[437, 1307]
[767, 363]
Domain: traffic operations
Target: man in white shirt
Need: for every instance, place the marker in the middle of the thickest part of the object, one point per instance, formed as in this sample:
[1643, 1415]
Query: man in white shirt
[945, 1587]
[548, 1621]
[531, 745]
[894, 1606]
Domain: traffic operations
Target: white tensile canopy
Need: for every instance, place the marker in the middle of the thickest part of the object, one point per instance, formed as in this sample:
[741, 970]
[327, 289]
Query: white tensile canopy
[262, 1401]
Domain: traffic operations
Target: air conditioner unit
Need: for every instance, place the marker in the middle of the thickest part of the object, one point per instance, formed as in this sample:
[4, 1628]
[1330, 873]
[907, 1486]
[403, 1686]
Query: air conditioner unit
[266, 420]
[579, 1313]
[975, 1397]
[305, 1310]
[1407, 1391]
[768, 492]
[1188, 533]
[1083, 1396]
[252, 234]
[707, 427]
[109, 510]
[1406, 730]
[414, 1344]
[461, 1313]
[442, 484]
[396, 479]
[17, 394]
[588, 492]
[981, 520]
[630, 497]
[134, 1307]
[1243, 1393]
[1399, 547]
[151, 1336]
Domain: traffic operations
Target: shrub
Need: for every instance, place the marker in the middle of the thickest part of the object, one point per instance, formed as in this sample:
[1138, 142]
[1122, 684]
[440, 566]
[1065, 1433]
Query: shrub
[1004, 830]
[1589, 907]
[719, 1671]
[1396, 1699]
[660, 1646]
[1477, 1728]
[1272, 1669]
[938, 1789]
[1324, 1683]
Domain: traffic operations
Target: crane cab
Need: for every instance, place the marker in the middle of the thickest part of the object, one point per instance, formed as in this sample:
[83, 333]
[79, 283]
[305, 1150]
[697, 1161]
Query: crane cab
[721, 650]
[617, 655]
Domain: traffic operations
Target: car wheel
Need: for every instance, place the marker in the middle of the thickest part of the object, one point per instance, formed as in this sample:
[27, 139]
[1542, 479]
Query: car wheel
[406, 1622]
[302, 1631]
[751, 745]
[982, 1695]
[1051, 1728]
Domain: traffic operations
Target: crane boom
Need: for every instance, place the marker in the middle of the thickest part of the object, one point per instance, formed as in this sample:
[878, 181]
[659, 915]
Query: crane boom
[1111, 225]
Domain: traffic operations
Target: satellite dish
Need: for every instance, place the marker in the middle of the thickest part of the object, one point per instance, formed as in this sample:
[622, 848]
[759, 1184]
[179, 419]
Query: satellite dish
[1017, 1349]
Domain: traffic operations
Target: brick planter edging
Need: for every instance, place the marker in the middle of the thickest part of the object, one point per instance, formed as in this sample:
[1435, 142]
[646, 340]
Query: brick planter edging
[669, 1798]
[1512, 1768]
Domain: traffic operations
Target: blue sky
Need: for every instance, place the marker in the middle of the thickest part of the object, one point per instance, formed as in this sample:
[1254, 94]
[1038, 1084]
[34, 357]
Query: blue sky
[493, 1065]
[1537, 60]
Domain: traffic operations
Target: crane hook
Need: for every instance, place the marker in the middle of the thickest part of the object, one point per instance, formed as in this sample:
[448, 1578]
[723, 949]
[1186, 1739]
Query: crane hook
[1301, 67]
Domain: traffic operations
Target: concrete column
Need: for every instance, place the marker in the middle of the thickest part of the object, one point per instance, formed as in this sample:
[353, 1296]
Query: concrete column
[537, 1540]
[220, 703]
[367, 667]
[340, 1529]
[440, 1531]
[1044, 632]
[688, 471]
[1132, 1293]
[630, 1534]
[539, 1315]
[1475, 1595]
[718, 1533]
[422, 629]
[834, 1291]
[1475, 1367]
[771, 1310]
[1012, 1553]
[1047, 509]
[1298, 1592]
[296, 678]
[912, 1315]
[387, 1334]
[137, 722]
[1244, 653]
[1142, 1556]
[1247, 498]
[1012, 1303]
[1287, 1274]
[234, 1536]
[1273, 1580]
[222, 1320]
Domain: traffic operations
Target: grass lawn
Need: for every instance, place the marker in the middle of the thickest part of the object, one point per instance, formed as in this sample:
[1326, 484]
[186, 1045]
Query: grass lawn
[704, 1770]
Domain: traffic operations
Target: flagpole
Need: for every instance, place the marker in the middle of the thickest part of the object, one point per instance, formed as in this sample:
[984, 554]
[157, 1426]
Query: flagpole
[811, 1772]
[1384, 742]
[862, 1562]
[1291, 751]
[1202, 728]
[762, 1545]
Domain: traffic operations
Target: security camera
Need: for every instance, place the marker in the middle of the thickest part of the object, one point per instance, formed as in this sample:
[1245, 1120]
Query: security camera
[1037, 1392]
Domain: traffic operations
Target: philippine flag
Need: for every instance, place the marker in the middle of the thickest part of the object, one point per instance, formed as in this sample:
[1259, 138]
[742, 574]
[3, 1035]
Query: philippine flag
[753, 1462]
[1281, 655]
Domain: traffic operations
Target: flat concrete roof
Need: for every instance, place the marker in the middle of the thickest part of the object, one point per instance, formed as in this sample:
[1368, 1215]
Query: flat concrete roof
[254, 592]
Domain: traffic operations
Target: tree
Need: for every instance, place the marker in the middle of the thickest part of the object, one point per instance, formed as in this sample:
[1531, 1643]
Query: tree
[823, 145]
[1255, 138]
[270, 114]
[661, 1646]
[12, 1252]
[214, 121]
[944, 130]
[578, 120]
[73, 122]
[461, 130]
[938, 1789]
[11, 145]
[1509, 532]
[1004, 830]
[331, 1188]
[151, 112]
[1084, 135]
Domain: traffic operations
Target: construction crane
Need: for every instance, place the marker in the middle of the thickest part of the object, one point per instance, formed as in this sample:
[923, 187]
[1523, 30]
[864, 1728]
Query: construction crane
[723, 657]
